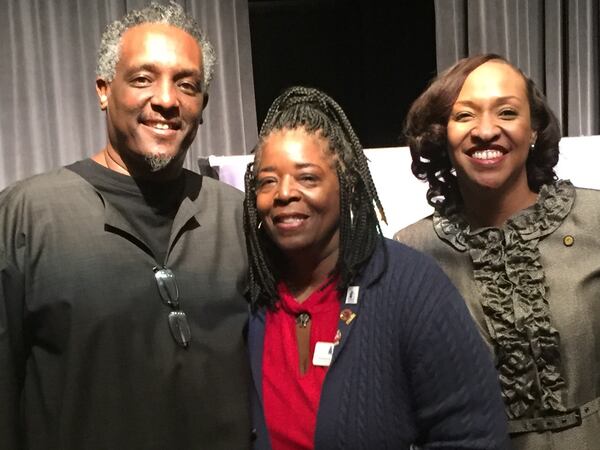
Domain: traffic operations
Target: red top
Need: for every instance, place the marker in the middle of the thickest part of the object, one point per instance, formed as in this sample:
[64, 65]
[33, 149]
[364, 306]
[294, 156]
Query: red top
[291, 399]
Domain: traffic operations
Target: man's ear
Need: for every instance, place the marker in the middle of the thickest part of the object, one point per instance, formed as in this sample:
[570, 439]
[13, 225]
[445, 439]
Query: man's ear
[204, 103]
[103, 91]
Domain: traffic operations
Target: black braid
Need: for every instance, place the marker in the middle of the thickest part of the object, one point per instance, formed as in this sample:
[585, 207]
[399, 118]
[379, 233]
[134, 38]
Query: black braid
[260, 267]
[359, 230]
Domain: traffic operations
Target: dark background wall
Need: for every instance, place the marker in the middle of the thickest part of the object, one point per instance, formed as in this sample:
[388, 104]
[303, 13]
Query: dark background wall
[374, 57]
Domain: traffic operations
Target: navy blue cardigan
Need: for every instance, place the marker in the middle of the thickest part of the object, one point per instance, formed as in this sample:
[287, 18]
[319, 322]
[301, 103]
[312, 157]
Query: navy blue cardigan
[410, 369]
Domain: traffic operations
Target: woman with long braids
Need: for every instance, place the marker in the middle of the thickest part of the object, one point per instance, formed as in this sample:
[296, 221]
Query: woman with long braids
[355, 341]
[522, 247]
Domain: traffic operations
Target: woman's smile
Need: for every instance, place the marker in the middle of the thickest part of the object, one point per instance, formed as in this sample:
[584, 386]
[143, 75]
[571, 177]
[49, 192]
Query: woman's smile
[297, 194]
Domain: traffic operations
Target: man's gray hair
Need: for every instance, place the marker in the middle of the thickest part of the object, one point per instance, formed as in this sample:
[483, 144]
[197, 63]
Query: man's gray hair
[171, 14]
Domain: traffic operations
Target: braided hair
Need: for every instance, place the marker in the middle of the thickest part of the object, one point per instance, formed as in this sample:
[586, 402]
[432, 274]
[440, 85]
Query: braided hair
[317, 114]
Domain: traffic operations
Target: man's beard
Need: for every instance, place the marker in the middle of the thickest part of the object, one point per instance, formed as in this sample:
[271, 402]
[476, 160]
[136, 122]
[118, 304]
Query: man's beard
[157, 161]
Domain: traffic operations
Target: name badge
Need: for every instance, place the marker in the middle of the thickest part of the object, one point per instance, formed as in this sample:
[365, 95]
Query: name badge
[352, 295]
[323, 353]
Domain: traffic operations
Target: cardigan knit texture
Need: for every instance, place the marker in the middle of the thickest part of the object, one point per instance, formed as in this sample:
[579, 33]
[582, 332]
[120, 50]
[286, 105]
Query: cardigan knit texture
[410, 370]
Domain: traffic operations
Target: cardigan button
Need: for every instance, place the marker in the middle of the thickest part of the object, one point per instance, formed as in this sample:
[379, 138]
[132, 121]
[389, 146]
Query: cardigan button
[568, 240]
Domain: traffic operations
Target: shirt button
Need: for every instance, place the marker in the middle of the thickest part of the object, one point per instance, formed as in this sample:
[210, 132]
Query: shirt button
[568, 240]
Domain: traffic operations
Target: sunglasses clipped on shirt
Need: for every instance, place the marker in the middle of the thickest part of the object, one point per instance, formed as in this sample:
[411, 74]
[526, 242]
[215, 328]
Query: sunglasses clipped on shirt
[169, 293]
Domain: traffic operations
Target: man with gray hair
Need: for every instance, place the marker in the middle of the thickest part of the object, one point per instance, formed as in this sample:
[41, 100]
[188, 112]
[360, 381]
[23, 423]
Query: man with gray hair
[122, 276]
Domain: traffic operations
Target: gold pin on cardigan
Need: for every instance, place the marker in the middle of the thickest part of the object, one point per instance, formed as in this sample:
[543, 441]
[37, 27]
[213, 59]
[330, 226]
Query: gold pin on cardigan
[347, 315]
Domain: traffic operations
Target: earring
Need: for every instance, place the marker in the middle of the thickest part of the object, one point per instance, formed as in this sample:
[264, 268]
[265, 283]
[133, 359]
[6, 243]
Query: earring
[103, 98]
[531, 147]
[259, 225]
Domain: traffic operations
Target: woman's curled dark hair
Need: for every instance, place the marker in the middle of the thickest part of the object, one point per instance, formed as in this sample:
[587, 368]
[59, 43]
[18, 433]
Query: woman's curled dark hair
[426, 133]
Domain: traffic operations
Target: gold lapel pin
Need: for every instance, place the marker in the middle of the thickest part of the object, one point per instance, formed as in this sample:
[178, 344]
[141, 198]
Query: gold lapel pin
[347, 315]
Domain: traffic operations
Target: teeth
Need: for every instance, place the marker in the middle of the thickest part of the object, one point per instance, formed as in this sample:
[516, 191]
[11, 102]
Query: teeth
[161, 126]
[290, 219]
[487, 154]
